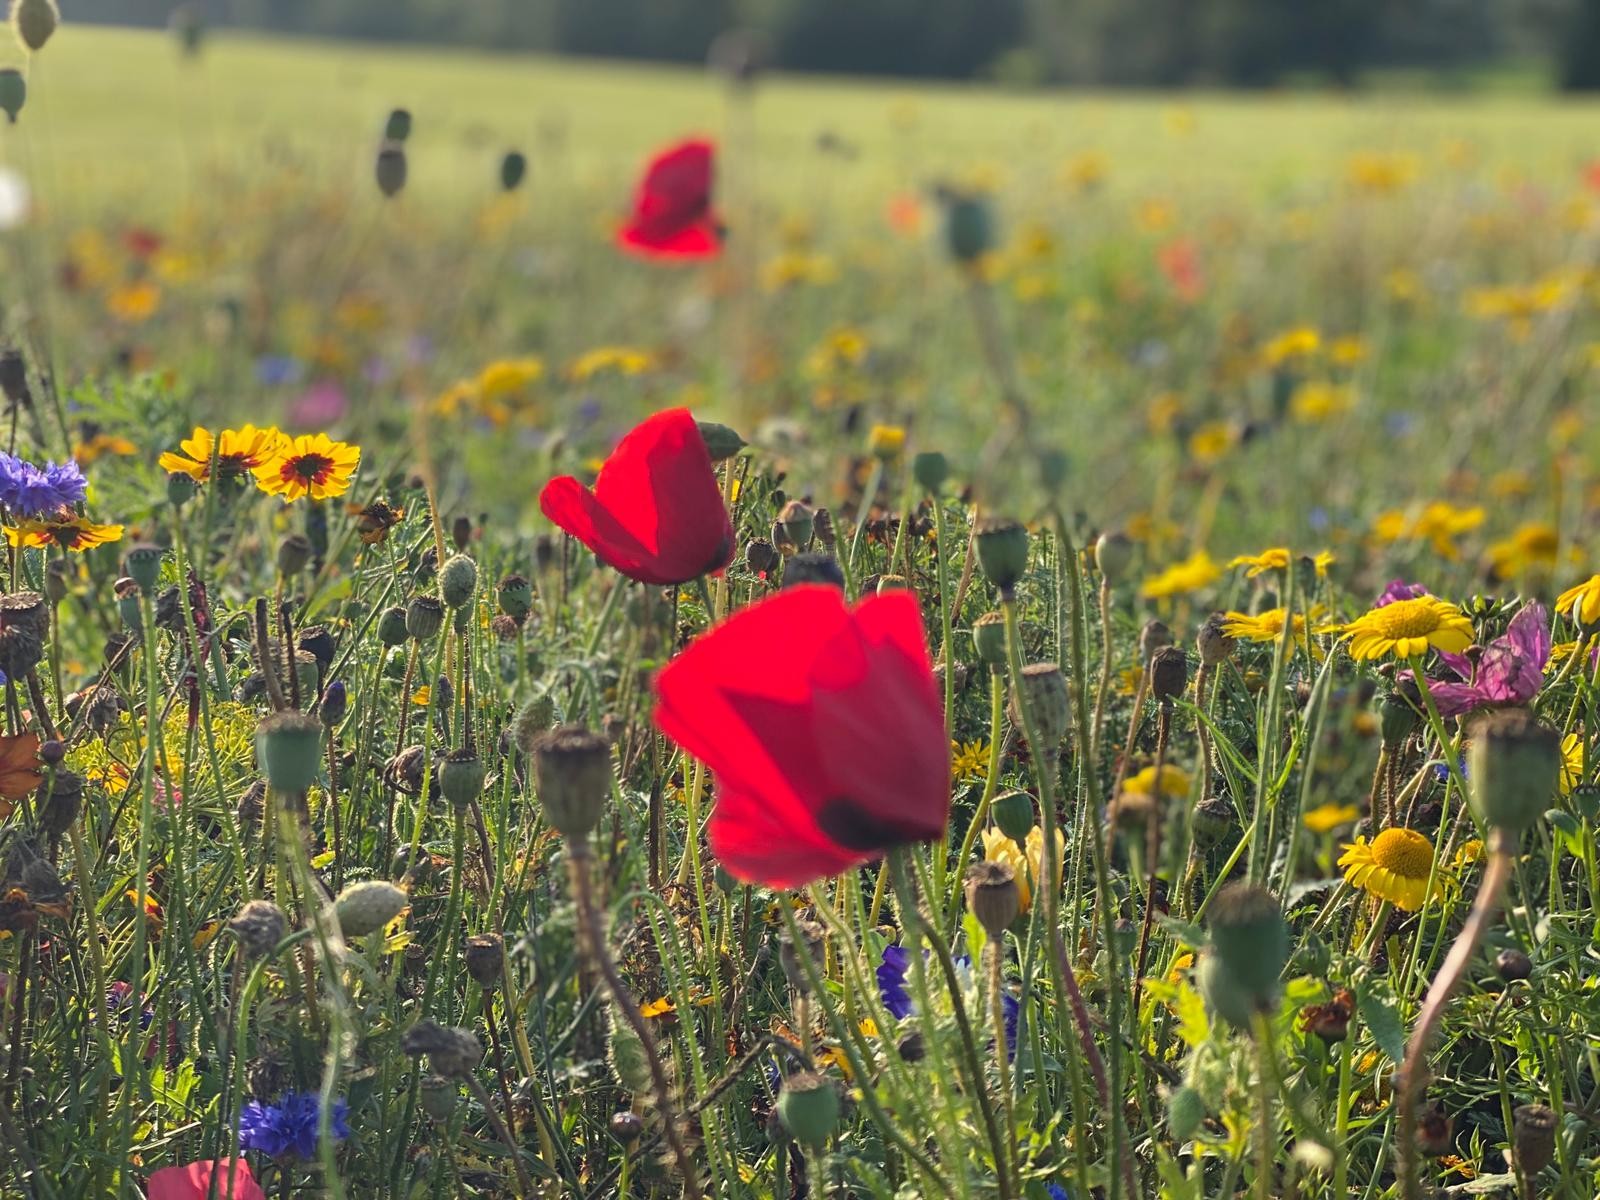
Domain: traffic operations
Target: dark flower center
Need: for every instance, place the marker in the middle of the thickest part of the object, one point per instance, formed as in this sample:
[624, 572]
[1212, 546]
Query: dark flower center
[857, 828]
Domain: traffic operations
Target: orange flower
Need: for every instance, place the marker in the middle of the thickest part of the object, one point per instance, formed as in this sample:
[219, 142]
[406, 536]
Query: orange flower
[19, 769]
[311, 465]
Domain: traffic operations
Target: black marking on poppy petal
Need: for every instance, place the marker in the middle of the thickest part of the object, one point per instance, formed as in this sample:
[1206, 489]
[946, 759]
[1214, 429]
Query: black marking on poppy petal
[856, 828]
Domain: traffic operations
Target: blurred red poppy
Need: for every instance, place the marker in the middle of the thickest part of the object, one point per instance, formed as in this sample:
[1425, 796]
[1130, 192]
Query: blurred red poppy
[824, 729]
[655, 512]
[672, 215]
[1180, 263]
[193, 1182]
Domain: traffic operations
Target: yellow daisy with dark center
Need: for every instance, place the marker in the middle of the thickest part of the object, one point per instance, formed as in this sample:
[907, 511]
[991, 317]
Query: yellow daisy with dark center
[312, 464]
[1394, 866]
[237, 452]
[1406, 628]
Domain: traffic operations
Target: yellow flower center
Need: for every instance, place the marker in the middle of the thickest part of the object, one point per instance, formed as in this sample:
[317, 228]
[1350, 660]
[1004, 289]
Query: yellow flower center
[1404, 851]
[1405, 618]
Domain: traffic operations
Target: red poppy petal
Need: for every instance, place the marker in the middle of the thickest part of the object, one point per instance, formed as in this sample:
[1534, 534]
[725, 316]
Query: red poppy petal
[574, 508]
[691, 242]
[758, 844]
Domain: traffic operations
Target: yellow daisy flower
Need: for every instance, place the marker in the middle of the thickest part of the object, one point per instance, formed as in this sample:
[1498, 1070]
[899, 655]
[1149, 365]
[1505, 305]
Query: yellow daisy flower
[1024, 861]
[97, 446]
[1325, 818]
[1571, 762]
[1174, 782]
[1193, 573]
[1394, 866]
[1406, 628]
[1265, 626]
[71, 533]
[1581, 603]
[237, 451]
[311, 465]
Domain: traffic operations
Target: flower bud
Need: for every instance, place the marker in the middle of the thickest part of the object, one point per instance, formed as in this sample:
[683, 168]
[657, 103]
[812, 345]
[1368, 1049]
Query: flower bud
[1013, 815]
[485, 956]
[1002, 546]
[13, 95]
[1113, 555]
[424, 617]
[1513, 965]
[34, 21]
[368, 906]
[630, 1061]
[1514, 767]
[1154, 636]
[930, 469]
[458, 579]
[294, 553]
[1398, 715]
[968, 227]
[260, 925]
[808, 1106]
[397, 126]
[989, 639]
[289, 749]
[1044, 692]
[813, 945]
[721, 441]
[813, 568]
[513, 169]
[452, 1052]
[911, 1047]
[1169, 673]
[1250, 939]
[573, 765]
[461, 777]
[515, 596]
[532, 719]
[392, 626]
[390, 170]
[993, 896]
[626, 1126]
[1212, 642]
[335, 703]
[1534, 1137]
[1186, 1111]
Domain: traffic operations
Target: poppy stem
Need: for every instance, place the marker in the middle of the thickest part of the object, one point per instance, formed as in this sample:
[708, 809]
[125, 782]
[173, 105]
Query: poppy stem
[1103, 688]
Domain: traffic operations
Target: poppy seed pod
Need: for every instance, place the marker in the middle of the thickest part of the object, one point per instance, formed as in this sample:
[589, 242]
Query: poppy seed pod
[808, 1106]
[515, 596]
[813, 944]
[25, 611]
[1514, 768]
[424, 617]
[1169, 673]
[782, 542]
[59, 806]
[573, 765]
[968, 226]
[458, 579]
[485, 956]
[1398, 716]
[798, 523]
[368, 906]
[452, 1052]
[397, 126]
[1002, 546]
[13, 367]
[513, 170]
[335, 703]
[437, 1097]
[989, 639]
[390, 170]
[1044, 692]
[1113, 555]
[143, 564]
[461, 532]
[1212, 642]
[1153, 637]
[294, 553]
[1436, 1131]
[13, 95]
[813, 568]
[461, 777]
[392, 626]
[532, 719]
[34, 21]
[58, 579]
[930, 469]
[1013, 815]
[260, 925]
[823, 519]
[993, 896]
[289, 749]
[761, 556]
[1251, 940]
[316, 641]
[1213, 818]
[721, 441]
[1534, 1137]
[1513, 965]
[180, 489]
[629, 1060]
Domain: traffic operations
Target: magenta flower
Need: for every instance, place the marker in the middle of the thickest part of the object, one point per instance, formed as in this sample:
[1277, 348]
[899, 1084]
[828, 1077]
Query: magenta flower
[1399, 589]
[1509, 671]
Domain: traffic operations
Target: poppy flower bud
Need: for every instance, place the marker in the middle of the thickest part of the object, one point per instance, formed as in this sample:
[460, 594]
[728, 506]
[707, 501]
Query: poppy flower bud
[392, 626]
[424, 617]
[1398, 716]
[289, 749]
[1514, 766]
[335, 703]
[1113, 555]
[930, 469]
[1013, 815]
[989, 639]
[52, 751]
[532, 719]
[1002, 552]
[294, 553]
[143, 564]
[1186, 1111]
[1513, 965]
[968, 226]
[813, 568]
[1153, 637]
[513, 169]
[1213, 818]
[461, 777]
[1250, 941]
[626, 1126]
[34, 21]
[808, 1106]
[397, 126]
[1044, 692]
[813, 944]
[630, 1061]
[180, 489]
[58, 579]
[798, 523]
[452, 1052]
[437, 1097]
[761, 556]
[573, 765]
[485, 955]
[1435, 1131]
[59, 807]
[1534, 1137]
[13, 95]
[993, 896]
[390, 170]
[368, 906]
[515, 596]
[1213, 642]
[721, 441]
[458, 579]
[260, 925]
[1169, 673]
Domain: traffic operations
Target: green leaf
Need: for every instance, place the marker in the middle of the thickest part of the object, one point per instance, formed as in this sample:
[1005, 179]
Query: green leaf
[1381, 1018]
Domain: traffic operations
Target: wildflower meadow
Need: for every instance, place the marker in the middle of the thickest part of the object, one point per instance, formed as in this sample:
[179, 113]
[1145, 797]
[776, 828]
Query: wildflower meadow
[582, 631]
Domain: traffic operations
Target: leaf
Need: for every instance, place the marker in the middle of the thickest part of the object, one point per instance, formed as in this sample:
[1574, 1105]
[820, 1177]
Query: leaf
[1188, 934]
[322, 860]
[1379, 1014]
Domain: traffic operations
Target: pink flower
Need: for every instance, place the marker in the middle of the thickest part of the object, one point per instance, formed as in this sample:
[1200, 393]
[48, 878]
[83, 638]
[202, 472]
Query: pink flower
[1509, 671]
[1399, 589]
[193, 1182]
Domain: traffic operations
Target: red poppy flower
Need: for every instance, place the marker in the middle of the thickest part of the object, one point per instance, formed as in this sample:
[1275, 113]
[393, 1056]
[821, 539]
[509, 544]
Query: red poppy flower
[672, 215]
[655, 512]
[193, 1182]
[824, 728]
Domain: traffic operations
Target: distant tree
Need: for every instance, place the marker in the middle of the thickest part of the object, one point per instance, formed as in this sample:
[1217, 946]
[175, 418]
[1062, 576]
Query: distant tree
[1579, 48]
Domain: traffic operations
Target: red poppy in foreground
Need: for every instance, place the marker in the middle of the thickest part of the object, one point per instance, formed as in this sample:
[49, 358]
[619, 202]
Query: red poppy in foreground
[655, 512]
[672, 215]
[193, 1182]
[823, 727]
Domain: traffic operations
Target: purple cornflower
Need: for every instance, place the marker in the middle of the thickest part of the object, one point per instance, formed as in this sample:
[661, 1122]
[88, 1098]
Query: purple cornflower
[892, 981]
[288, 1126]
[1399, 589]
[1510, 670]
[1057, 1192]
[32, 491]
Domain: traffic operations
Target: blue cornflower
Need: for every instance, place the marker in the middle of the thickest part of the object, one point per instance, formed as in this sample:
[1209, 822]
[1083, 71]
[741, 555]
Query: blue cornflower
[892, 981]
[289, 1125]
[1057, 1192]
[31, 491]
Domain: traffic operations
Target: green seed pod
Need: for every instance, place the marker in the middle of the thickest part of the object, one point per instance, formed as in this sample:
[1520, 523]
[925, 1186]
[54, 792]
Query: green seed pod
[424, 617]
[180, 489]
[930, 469]
[808, 1106]
[573, 765]
[1013, 815]
[533, 718]
[289, 749]
[392, 626]
[721, 441]
[1186, 1109]
[458, 579]
[1044, 690]
[1113, 555]
[1224, 995]
[1399, 715]
[390, 170]
[368, 906]
[34, 21]
[513, 169]
[294, 554]
[629, 1060]
[143, 564]
[1002, 552]
[461, 777]
[989, 639]
[969, 231]
[1250, 940]
[438, 1096]
[798, 523]
[515, 595]
[397, 127]
[13, 92]
[1514, 768]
